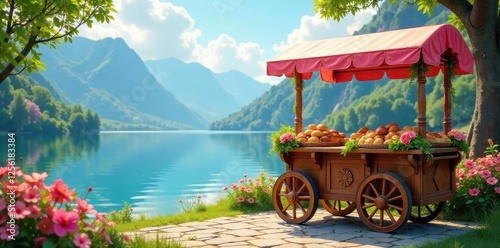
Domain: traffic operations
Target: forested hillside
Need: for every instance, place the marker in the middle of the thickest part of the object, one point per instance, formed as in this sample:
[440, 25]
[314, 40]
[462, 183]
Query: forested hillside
[348, 106]
[26, 106]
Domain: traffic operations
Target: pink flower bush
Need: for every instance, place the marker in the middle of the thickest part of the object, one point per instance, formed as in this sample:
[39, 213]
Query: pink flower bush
[478, 188]
[252, 193]
[33, 214]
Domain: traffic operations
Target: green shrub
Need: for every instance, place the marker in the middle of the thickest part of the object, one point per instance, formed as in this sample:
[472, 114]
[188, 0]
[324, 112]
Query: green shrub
[478, 188]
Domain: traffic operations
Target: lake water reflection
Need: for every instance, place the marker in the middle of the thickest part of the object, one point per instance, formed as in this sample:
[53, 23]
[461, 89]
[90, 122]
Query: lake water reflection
[149, 170]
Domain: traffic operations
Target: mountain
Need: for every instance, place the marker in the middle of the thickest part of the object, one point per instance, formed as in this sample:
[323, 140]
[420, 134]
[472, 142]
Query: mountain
[241, 87]
[348, 106]
[111, 79]
[211, 95]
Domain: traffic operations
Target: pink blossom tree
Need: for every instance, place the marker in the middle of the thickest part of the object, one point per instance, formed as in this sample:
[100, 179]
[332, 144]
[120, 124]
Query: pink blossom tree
[34, 113]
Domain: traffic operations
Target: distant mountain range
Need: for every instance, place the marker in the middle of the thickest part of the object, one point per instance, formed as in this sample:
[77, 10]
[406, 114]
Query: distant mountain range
[211, 95]
[110, 78]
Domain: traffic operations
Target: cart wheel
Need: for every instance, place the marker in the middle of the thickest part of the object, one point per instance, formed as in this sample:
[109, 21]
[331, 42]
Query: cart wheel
[338, 208]
[295, 197]
[383, 202]
[426, 213]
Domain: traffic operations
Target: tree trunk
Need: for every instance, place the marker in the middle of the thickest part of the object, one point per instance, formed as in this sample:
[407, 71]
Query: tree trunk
[486, 118]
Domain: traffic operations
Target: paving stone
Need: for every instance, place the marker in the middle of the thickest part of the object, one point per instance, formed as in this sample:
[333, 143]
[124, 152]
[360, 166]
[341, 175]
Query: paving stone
[363, 241]
[226, 240]
[275, 236]
[235, 226]
[317, 231]
[289, 245]
[304, 240]
[244, 233]
[267, 242]
[177, 229]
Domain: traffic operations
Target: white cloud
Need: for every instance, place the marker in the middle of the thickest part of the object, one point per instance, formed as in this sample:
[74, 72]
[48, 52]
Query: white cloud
[312, 28]
[361, 19]
[152, 28]
[225, 53]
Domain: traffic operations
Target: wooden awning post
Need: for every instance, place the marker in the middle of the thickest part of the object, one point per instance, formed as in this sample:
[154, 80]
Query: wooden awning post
[446, 100]
[422, 120]
[299, 84]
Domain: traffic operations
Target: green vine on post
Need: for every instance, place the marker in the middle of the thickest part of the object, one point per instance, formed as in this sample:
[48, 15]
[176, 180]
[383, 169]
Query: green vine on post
[415, 68]
[450, 67]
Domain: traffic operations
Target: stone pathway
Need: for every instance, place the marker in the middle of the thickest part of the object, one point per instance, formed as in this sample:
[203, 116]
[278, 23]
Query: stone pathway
[323, 230]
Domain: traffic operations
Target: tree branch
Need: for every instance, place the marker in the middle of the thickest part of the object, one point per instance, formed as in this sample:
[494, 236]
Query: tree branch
[26, 50]
[477, 19]
[461, 8]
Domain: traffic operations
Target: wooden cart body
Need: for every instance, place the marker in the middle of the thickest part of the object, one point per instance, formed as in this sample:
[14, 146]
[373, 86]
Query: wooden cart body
[372, 178]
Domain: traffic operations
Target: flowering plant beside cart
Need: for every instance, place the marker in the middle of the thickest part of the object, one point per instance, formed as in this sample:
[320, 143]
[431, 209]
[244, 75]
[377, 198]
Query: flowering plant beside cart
[410, 140]
[283, 140]
[458, 139]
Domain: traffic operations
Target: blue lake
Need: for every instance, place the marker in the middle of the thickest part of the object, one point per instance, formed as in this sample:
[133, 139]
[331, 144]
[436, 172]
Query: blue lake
[149, 170]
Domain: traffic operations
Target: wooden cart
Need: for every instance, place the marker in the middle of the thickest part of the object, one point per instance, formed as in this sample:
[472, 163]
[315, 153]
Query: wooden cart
[386, 188]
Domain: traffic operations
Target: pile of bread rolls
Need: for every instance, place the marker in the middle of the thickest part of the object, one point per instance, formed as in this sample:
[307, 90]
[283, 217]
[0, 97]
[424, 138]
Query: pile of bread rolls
[383, 135]
[437, 138]
[321, 134]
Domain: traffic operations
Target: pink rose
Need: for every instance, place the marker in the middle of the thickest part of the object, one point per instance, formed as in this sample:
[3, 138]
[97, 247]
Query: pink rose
[286, 137]
[473, 192]
[406, 137]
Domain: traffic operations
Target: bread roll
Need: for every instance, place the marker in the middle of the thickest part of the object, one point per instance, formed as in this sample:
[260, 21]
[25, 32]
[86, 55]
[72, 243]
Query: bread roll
[378, 141]
[333, 131]
[355, 135]
[389, 135]
[392, 124]
[308, 132]
[363, 130]
[369, 141]
[394, 129]
[302, 140]
[313, 140]
[370, 134]
[322, 127]
[325, 138]
[381, 130]
[316, 133]
[336, 140]
[312, 126]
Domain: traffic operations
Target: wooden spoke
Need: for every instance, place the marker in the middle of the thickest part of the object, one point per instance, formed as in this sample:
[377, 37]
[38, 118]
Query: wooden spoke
[295, 197]
[426, 213]
[383, 201]
[337, 207]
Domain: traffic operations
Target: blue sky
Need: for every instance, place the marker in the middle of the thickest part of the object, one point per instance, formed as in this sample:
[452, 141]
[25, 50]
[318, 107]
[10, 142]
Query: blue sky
[222, 35]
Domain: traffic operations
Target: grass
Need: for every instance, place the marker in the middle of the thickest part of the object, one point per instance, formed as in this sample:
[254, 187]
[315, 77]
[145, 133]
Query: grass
[484, 237]
[220, 209]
